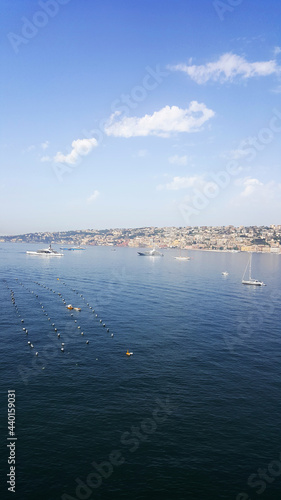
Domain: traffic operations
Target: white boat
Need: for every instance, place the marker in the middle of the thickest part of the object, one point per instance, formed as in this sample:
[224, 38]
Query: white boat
[46, 251]
[225, 273]
[182, 257]
[250, 280]
[151, 253]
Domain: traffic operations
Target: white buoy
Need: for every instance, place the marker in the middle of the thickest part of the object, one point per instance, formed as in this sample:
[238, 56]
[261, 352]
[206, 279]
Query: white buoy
[62, 349]
[36, 354]
[29, 342]
[112, 335]
[87, 342]
[62, 343]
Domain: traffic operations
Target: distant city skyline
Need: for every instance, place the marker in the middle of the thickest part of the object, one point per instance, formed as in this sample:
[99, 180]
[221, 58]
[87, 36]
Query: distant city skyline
[137, 114]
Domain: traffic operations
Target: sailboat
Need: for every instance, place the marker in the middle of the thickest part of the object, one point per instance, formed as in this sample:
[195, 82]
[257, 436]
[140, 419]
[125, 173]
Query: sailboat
[180, 257]
[250, 280]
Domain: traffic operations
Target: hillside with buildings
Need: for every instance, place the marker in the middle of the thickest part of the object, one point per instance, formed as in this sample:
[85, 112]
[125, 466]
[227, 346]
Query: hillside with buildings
[224, 238]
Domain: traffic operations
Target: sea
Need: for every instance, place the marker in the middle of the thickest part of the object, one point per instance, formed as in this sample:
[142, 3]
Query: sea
[192, 414]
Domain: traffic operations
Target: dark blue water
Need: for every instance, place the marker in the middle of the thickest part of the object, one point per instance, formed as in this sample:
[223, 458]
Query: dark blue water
[194, 413]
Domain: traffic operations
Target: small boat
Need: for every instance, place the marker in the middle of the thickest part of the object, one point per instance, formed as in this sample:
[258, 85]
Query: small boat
[151, 253]
[46, 251]
[225, 273]
[129, 353]
[182, 257]
[250, 280]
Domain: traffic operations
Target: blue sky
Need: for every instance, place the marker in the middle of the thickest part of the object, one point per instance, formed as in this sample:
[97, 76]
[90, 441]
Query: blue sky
[131, 113]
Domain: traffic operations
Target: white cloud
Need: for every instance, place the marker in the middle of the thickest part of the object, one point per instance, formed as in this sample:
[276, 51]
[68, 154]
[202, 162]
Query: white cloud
[178, 160]
[93, 196]
[192, 182]
[45, 145]
[250, 186]
[45, 158]
[236, 154]
[227, 68]
[277, 51]
[80, 147]
[255, 191]
[162, 123]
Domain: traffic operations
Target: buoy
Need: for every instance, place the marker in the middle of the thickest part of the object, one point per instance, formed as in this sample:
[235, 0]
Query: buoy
[129, 353]
[100, 320]
[36, 354]
[22, 320]
[111, 335]
[107, 330]
[87, 342]
[58, 334]
[23, 329]
[78, 326]
[53, 324]
[29, 342]
[82, 333]
[31, 345]
[56, 329]
[62, 349]
[69, 307]
[62, 343]
[103, 325]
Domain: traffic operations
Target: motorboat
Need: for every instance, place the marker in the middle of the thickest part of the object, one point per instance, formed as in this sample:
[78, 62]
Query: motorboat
[46, 251]
[151, 253]
[225, 273]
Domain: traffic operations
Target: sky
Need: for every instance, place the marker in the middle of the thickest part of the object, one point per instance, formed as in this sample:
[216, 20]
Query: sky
[134, 113]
